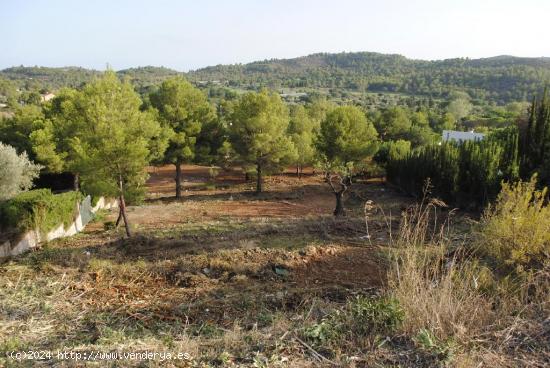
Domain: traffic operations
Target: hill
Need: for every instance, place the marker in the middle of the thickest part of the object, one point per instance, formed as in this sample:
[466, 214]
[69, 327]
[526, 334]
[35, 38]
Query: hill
[499, 79]
[55, 78]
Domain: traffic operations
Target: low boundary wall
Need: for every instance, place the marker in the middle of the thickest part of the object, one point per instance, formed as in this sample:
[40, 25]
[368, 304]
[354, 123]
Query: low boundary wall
[32, 239]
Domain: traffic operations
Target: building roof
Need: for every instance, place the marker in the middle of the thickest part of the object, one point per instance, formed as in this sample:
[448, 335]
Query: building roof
[454, 135]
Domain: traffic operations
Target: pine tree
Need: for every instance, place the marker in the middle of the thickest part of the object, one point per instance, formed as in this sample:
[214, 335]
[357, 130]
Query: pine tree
[258, 133]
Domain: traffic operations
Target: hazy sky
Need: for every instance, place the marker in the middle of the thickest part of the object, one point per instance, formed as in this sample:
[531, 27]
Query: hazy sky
[190, 34]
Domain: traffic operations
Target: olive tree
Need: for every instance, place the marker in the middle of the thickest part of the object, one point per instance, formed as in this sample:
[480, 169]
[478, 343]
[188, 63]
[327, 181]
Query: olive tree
[16, 172]
[345, 139]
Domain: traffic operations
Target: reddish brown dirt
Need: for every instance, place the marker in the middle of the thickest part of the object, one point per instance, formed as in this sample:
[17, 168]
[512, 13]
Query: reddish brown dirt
[287, 199]
[229, 195]
[339, 265]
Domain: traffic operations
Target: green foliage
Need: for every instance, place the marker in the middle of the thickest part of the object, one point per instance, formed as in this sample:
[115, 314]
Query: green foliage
[38, 209]
[16, 130]
[301, 130]
[74, 77]
[535, 152]
[361, 317]
[460, 106]
[183, 109]
[375, 316]
[346, 137]
[258, 126]
[114, 144]
[498, 79]
[428, 341]
[393, 123]
[52, 142]
[392, 150]
[466, 173]
[16, 172]
[515, 231]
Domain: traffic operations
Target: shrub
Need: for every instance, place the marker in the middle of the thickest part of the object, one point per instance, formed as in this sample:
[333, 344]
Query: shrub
[468, 173]
[361, 317]
[436, 292]
[374, 316]
[16, 172]
[515, 231]
[38, 209]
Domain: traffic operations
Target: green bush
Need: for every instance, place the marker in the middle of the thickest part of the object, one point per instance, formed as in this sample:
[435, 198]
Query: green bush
[515, 231]
[38, 209]
[375, 316]
[466, 174]
[361, 317]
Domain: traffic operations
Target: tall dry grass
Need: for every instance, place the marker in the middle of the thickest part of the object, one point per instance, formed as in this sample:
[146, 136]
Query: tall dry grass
[435, 287]
[458, 293]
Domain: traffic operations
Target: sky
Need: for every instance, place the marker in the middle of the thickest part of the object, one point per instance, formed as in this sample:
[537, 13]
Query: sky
[190, 34]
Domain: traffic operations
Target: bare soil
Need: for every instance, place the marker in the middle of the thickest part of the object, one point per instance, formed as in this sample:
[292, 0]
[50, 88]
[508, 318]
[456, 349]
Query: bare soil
[221, 263]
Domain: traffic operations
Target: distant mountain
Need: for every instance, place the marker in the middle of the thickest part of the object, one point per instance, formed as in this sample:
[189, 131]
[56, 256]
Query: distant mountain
[55, 78]
[498, 79]
[146, 76]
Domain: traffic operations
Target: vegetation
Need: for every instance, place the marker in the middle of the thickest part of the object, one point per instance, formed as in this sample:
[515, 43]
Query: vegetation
[345, 139]
[116, 141]
[258, 126]
[467, 173]
[515, 231]
[536, 139]
[302, 130]
[38, 210]
[16, 172]
[183, 111]
[499, 79]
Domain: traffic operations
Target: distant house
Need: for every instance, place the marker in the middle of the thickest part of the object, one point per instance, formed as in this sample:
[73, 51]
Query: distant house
[48, 96]
[454, 135]
[293, 95]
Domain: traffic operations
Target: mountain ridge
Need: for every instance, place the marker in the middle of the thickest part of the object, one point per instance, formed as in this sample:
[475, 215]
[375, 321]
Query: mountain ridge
[499, 79]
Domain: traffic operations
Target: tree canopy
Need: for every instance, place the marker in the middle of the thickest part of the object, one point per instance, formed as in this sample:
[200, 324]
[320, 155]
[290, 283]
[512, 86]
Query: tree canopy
[183, 110]
[115, 141]
[345, 138]
[258, 126]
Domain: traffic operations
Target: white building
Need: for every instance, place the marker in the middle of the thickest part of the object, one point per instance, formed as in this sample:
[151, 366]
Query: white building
[454, 135]
[48, 96]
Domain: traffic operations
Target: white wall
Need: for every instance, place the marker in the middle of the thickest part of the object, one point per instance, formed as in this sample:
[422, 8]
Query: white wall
[33, 238]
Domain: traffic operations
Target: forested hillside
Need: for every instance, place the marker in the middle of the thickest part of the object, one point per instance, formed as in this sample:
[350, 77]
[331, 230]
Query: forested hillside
[55, 78]
[499, 79]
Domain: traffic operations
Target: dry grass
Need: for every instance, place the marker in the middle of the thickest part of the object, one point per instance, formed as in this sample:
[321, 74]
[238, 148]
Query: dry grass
[293, 291]
[436, 290]
[457, 307]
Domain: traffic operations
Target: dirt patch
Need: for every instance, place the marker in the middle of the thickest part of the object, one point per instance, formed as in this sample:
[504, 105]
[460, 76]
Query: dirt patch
[351, 267]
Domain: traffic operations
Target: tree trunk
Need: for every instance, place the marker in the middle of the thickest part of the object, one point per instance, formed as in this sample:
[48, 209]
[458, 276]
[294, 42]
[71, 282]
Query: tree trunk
[339, 211]
[122, 206]
[178, 179]
[118, 218]
[76, 182]
[246, 176]
[259, 178]
[299, 172]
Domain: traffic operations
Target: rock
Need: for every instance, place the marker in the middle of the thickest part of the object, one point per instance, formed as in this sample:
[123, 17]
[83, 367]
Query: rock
[281, 271]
